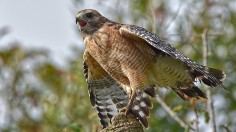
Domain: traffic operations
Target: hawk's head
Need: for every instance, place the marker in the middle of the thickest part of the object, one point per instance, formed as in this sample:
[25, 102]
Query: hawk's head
[89, 20]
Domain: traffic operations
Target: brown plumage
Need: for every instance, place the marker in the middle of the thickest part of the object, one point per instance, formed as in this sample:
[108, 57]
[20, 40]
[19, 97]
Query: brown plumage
[137, 60]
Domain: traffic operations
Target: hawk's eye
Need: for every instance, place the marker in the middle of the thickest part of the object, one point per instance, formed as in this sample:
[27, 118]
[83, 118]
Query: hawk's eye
[89, 15]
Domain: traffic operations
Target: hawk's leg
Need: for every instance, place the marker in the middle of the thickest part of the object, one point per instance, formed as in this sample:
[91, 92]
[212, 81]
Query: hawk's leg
[131, 100]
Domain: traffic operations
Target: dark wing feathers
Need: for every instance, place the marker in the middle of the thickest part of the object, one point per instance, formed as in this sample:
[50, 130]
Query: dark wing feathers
[186, 93]
[101, 92]
[91, 96]
[109, 98]
[141, 107]
[150, 91]
[209, 76]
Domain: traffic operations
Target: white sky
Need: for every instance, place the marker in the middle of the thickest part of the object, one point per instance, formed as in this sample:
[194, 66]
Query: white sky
[45, 24]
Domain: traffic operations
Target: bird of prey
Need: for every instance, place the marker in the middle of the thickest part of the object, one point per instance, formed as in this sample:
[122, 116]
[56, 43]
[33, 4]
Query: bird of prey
[125, 63]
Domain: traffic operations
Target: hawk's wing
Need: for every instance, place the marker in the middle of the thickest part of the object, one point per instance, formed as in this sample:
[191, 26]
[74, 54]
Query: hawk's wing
[109, 98]
[209, 76]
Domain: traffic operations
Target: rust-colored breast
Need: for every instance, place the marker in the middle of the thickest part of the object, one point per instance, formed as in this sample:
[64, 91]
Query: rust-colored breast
[123, 58]
[95, 72]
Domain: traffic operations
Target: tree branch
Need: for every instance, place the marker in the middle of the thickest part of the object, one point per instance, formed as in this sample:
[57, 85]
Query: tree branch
[172, 113]
[121, 123]
[209, 96]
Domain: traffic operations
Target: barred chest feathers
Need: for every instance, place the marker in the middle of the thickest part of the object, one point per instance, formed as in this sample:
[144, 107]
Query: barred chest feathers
[97, 44]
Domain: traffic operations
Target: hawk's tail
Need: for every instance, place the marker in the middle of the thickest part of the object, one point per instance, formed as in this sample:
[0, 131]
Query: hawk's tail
[209, 76]
[141, 107]
[107, 105]
[218, 74]
[189, 92]
[110, 105]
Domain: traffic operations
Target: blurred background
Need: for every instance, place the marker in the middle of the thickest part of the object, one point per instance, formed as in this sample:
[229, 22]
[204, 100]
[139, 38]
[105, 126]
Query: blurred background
[42, 86]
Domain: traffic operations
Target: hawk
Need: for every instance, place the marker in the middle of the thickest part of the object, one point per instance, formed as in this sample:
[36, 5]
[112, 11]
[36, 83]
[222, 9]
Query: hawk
[125, 63]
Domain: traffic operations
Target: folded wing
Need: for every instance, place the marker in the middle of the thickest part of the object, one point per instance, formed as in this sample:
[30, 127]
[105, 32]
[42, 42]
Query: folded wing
[109, 98]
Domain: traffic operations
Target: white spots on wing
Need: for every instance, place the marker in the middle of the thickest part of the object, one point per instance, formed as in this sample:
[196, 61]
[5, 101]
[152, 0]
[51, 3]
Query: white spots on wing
[141, 113]
[136, 107]
[142, 104]
[151, 39]
[138, 98]
[113, 113]
[109, 101]
[103, 113]
[144, 95]
[123, 102]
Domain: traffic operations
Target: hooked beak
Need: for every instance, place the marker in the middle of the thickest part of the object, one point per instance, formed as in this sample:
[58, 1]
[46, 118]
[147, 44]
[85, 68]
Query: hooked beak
[82, 23]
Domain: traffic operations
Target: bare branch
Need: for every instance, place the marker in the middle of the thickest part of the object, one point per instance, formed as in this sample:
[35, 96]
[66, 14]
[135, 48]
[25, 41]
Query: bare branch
[173, 19]
[209, 96]
[204, 47]
[197, 119]
[172, 113]
[226, 127]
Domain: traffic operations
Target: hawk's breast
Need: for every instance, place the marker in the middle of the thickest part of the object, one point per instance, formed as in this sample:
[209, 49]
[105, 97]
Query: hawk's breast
[118, 55]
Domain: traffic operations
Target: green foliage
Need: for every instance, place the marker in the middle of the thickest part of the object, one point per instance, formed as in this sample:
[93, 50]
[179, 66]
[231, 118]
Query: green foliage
[75, 127]
[59, 95]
